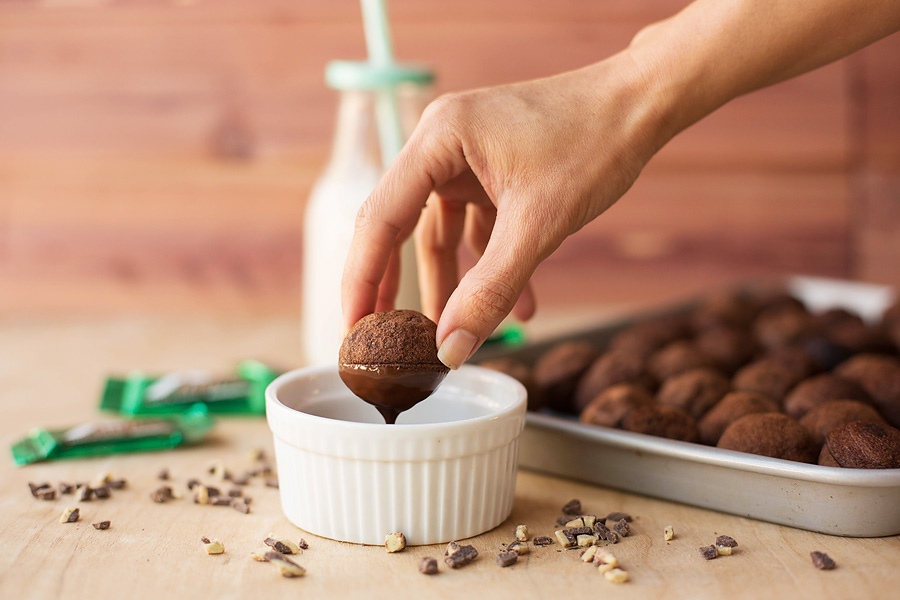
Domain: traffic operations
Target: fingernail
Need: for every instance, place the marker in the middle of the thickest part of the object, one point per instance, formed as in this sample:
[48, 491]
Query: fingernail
[456, 348]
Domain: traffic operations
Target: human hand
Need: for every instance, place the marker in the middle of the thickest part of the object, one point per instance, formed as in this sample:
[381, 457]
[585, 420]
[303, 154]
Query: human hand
[513, 171]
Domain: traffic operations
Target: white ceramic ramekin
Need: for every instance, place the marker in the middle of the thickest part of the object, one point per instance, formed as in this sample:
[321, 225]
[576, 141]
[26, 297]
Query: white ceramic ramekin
[445, 471]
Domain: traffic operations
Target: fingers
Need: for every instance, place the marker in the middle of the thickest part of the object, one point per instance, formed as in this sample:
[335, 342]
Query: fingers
[390, 283]
[488, 292]
[386, 218]
[437, 237]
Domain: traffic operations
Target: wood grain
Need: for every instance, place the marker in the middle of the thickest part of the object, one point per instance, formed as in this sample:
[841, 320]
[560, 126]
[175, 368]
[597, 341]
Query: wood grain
[153, 550]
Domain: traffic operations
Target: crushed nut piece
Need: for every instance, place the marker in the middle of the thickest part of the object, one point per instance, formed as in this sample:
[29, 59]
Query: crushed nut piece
[521, 533]
[162, 494]
[708, 552]
[724, 550]
[588, 555]
[46, 494]
[256, 455]
[394, 542]
[605, 557]
[282, 545]
[507, 559]
[101, 525]
[577, 522]
[668, 533]
[202, 495]
[616, 576]
[163, 474]
[117, 484]
[519, 547]
[259, 554]
[428, 566]
[586, 539]
[66, 488]
[822, 561]
[542, 540]
[102, 478]
[213, 546]
[565, 539]
[572, 507]
[589, 520]
[70, 515]
[35, 487]
[286, 566]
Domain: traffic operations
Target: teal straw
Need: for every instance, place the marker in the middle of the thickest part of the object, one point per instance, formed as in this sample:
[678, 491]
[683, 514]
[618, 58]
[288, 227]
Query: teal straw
[381, 54]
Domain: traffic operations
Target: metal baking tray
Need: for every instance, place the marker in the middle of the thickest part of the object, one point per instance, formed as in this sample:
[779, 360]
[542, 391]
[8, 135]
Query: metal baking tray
[844, 502]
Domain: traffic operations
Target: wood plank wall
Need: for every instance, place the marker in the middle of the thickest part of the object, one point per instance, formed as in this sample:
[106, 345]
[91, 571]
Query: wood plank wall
[156, 154]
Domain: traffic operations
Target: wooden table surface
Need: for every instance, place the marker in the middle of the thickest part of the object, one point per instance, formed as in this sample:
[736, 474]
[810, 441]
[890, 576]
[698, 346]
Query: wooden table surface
[51, 370]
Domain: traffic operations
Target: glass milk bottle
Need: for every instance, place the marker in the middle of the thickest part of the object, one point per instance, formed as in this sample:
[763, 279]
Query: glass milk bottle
[353, 169]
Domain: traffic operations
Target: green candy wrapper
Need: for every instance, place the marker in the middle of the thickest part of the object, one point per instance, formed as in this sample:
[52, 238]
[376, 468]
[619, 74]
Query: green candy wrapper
[173, 393]
[114, 436]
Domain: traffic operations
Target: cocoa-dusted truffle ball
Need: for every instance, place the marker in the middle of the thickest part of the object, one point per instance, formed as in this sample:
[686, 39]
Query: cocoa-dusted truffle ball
[611, 406]
[646, 337]
[858, 337]
[694, 391]
[774, 328]
[860, 445]
[822, 419]
[879, 376]
[818, 390]
[615, 366]
[769, 434]
[729, 409]
[723, 309]
[390, 360]
[520, 372]
[557, 373]
[835, 316]
[663, 421]
[728, 348]
[766, 376]
[676, 358]
[798, 359]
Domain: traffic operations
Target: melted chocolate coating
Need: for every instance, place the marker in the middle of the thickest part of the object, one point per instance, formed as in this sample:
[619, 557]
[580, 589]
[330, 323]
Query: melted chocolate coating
[392, 389]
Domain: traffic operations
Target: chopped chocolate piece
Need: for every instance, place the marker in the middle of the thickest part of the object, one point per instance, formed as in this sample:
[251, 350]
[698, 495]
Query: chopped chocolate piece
[34, 487]
[600, 529]
[101, 525]
[242, 480]
[117, 484]
[462, 556]
[256, 455]
[163, 474]
[566, 538]
[241, 505]
[46, 494]
[220, 501]
[70, 515]
[542, 540]
[612, 537]
[192, 483]
[451, 548]
[235, 492]
[286, 566]
[66, 488]
[572, 507]
[621, 527]
[161, 494]
[822, 561]
[213, 491]
[84, 493]
[428, 566]
[204, 539]
[519, 547]
[562, 520]
[726, 541]
[708, 552]
[272, 482]
[101, 492]
[507, 559]
[580, 530]
[618, 516]
[280, 544]
[303, 544]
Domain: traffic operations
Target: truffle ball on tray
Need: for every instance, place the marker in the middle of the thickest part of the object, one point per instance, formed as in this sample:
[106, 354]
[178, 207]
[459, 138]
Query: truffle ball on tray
[767, 376]
[663, 421]
[521, 373]
[729, 409]
[860, 445]
[818, 390]
[769, 434]
[557, 373]
[728, 347]
[879, 376]
[615, 366]
[675, 358]
[612, 405]
[695, 391]
[646, 337]
[823, 419]
[782, 326]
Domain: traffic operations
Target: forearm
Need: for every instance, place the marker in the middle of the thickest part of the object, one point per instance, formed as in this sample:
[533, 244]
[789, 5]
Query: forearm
[716, 50]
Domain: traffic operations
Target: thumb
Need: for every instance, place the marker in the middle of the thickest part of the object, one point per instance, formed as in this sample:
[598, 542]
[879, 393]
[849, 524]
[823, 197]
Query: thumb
[485, 295]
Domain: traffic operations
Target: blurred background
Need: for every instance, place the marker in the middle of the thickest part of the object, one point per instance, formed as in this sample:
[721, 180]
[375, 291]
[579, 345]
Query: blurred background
[156, 155]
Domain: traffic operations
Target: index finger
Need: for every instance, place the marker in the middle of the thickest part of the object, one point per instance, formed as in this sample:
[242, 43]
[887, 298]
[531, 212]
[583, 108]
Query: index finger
[385, 219]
